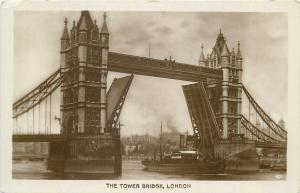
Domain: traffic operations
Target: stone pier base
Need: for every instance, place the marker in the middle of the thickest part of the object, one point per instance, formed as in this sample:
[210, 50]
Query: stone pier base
[239, 155]
[91, 156]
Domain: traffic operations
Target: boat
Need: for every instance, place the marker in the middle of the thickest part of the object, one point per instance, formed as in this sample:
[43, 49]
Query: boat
[279, 165]
[184, 162]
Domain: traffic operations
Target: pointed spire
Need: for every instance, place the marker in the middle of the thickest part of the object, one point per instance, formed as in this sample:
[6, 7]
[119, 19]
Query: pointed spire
[225, 51]
[202, 57]
[104, 29]
[95, 31]
[95, 26]
[238, 53]
[83, 25]
[74, 24]
[85, 21]
[219, 44]
[232, 52]
[220, 35]
[65, 35]
[74, 32]
[212, 53]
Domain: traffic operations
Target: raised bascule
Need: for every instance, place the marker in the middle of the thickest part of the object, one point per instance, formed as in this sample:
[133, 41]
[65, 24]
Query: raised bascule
[89, 140]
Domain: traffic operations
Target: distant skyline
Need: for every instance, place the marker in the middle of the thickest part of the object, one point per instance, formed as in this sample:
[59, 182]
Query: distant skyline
[150, 100]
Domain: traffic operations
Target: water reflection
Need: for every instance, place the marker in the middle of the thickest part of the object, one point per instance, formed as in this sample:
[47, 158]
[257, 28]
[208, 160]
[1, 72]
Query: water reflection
[24, 169]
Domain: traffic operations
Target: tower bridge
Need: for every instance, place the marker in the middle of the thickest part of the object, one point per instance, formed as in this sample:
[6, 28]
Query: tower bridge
[89, 114]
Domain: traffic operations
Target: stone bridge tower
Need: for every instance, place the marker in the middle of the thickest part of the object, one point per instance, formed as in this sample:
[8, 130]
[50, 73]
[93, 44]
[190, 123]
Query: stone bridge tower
[225, 97]
[89, 147]
[84, 54]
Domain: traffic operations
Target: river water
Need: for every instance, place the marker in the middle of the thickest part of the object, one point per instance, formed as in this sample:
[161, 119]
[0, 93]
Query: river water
[24, 169]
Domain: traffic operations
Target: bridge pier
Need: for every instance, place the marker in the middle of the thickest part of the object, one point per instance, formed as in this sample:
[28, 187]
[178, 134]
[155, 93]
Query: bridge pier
[239, 155]
[94, 156]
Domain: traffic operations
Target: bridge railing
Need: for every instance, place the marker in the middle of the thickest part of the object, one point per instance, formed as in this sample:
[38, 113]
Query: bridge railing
[160, 68]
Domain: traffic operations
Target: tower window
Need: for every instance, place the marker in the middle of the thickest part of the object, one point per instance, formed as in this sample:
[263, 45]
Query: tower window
[92, 94]
[93, 55]
[92, 120]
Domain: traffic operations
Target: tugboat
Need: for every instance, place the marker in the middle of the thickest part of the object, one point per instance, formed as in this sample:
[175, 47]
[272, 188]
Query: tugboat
[184, 161]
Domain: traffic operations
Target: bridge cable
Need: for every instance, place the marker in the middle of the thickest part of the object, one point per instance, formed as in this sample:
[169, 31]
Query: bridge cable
[268, 120]
[259, 134]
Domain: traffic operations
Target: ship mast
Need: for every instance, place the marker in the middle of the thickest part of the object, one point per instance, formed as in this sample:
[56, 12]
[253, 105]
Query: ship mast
[160, 150]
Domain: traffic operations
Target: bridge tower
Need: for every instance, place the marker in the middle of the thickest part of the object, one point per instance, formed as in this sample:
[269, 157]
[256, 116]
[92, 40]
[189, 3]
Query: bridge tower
[225, 97]
[84, 71]
[84, 59]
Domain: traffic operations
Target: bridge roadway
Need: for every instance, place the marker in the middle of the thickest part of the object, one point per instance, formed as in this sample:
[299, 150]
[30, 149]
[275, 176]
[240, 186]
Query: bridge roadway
[171, 69]
[59, 137]
[271, 145]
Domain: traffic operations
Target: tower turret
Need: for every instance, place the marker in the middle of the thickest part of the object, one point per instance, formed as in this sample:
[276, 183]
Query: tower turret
[239, 62]
[65, 38]
[104, 35]
[104, 29]
[64, 44]
[225, 87]
[95, 31]
[104, 42]
[239, 54]
[74, 33]
[202, 57]
[239, 58]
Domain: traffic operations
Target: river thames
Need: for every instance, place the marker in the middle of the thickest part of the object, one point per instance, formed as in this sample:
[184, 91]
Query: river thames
[134, 170]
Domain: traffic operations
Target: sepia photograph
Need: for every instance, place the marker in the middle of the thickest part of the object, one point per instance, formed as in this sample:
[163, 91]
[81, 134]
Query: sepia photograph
[150, 95]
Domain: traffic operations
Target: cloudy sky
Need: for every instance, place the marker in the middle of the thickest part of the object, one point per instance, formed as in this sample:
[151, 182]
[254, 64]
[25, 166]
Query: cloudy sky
[263, 38]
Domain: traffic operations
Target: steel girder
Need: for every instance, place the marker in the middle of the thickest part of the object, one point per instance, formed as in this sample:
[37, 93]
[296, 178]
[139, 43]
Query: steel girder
[267, 119]
[257, 132]
[37, 95]
[204, 122]
[116, 97]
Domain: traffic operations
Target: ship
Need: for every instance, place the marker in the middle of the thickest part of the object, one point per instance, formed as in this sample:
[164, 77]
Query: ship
[184, 162]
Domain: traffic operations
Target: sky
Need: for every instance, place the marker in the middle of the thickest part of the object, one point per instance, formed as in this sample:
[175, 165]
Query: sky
[150, 101]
